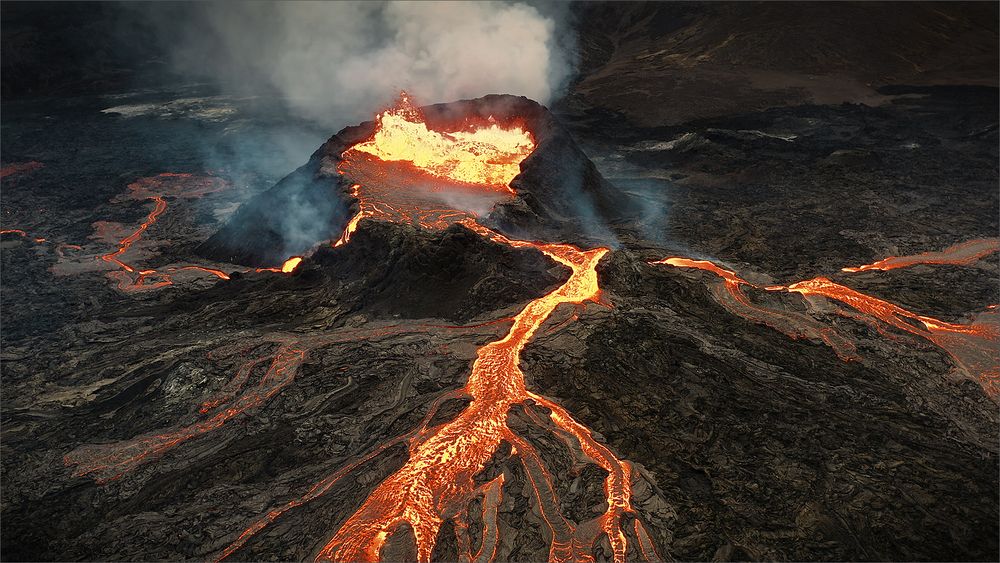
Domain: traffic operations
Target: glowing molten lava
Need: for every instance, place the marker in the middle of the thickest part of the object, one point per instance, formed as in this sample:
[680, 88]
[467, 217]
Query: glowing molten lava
[408, 173]
[488, 156]
[959, 254]
[156, 189]
[438, 481]
[795, 325]
[286, 268]
[973, 347]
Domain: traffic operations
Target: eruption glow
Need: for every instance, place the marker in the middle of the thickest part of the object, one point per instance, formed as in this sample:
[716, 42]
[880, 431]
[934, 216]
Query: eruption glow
[437, 483]
[156, 189]
[487, 156]
[973, 347]
[960, 254]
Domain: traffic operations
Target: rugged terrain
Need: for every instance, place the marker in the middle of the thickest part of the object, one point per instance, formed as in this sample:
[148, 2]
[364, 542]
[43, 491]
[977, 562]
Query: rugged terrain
[746, 443]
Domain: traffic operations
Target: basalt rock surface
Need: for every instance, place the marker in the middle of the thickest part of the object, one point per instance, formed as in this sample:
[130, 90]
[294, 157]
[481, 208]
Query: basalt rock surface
[746, 444]
[560, 193]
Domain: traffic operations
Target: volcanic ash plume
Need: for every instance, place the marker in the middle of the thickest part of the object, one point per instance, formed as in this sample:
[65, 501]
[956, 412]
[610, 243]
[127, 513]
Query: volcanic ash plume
[337, 61]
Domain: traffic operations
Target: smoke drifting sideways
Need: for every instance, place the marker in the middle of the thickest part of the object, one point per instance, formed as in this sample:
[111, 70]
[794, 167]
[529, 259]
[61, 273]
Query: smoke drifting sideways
[327, 65]
[338, 63]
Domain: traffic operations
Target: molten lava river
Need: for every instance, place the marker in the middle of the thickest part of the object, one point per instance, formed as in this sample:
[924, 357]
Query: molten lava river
[408, 173]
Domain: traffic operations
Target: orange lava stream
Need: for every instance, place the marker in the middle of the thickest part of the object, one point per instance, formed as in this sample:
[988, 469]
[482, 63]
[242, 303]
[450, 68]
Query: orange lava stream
[438, 477]
[960, 254]
[109, 461]
[155, 189]
[973, 347]
[286, 268]
[127, 242]
[795, 325]
[105, 462]
[437, 482]
[24, 234]
[487, 156]
[217, 273]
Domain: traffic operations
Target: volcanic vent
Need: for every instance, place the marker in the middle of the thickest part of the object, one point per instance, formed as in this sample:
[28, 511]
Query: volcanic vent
[501, 160]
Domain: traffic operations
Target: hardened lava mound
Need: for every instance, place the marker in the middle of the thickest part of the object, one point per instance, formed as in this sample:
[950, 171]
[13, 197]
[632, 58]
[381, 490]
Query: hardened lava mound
[556, 193]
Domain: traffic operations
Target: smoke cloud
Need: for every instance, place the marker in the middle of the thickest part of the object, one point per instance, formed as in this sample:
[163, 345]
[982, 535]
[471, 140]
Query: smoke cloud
[338, 62]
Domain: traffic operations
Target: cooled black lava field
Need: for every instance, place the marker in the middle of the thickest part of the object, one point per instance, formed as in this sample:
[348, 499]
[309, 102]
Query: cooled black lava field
[730, 293]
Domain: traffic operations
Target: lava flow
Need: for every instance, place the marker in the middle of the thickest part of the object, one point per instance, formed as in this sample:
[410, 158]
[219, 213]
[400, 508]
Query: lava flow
[106, 462]
[973, 347]
[109, 461]
[795, 325]
[437, 483]
[960, 254]
[157, 189]
[407, 173]
[485, 156]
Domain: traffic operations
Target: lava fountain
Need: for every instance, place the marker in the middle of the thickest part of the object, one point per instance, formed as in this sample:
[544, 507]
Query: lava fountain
[483, 156]
[407, 173]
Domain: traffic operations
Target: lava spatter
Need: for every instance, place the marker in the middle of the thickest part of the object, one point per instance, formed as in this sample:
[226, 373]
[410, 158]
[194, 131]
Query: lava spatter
[407, 173]
[484, 156]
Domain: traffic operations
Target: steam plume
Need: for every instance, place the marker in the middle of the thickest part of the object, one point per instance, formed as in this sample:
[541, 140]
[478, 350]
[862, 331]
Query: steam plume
[338, 62]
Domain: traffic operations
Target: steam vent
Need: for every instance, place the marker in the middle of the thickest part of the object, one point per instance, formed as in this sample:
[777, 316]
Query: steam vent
[549, 189]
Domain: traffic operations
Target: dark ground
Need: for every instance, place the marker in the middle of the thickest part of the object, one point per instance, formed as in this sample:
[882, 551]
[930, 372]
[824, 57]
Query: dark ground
[752, 445]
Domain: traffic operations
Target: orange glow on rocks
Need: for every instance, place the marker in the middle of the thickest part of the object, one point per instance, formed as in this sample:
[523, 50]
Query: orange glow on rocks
[407, 173]
[438, 481]
[125, 243]
[290, 264]
[286, 268]
[486, 156]
[156, 189]
[960, 254]
[973, 347]
[730, 295]
[438, 475]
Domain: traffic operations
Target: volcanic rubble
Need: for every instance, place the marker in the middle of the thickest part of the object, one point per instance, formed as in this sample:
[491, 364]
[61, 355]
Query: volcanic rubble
[746, 444]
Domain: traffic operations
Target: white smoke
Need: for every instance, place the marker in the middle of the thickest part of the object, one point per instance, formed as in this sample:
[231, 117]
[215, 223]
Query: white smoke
[338, 62]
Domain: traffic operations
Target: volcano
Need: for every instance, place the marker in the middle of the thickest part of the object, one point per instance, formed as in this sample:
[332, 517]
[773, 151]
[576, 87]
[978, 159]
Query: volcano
[555, 191]
[693, 319]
